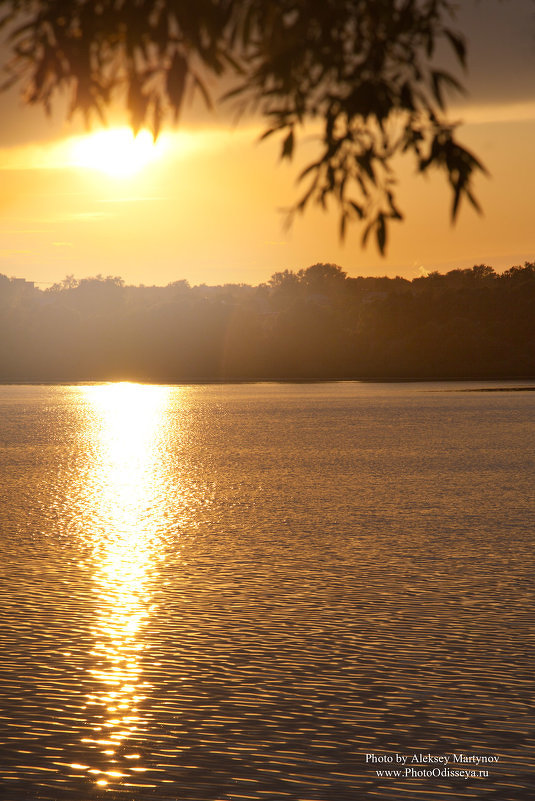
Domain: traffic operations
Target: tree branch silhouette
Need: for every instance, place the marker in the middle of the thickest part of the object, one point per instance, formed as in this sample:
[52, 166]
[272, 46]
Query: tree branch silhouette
[363, 69]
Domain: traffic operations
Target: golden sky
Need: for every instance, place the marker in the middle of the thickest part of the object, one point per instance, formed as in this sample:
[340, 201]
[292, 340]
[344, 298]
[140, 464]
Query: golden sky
[205, 204]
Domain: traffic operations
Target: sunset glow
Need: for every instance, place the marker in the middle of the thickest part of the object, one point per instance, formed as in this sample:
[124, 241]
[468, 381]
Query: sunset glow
[206, 201]
[116, 151]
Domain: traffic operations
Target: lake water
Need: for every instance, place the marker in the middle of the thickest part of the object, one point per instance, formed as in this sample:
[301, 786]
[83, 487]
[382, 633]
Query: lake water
[231, 592]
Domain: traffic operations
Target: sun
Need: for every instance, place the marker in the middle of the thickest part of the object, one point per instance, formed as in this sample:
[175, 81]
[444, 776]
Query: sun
[116, 151]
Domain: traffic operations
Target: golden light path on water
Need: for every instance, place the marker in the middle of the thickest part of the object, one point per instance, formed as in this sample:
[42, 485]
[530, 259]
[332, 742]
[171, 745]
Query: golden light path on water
[126, 424]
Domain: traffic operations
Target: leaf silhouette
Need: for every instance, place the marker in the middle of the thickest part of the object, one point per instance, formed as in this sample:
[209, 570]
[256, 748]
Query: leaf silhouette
[176, 82]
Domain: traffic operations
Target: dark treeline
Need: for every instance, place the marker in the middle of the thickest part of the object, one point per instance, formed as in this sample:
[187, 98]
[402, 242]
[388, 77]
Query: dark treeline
[314, 324]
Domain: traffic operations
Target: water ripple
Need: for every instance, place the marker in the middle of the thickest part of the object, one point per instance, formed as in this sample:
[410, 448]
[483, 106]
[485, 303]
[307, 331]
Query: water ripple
[219, 593]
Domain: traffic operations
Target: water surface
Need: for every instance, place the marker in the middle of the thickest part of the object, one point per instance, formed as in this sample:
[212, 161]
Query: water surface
[237, 592]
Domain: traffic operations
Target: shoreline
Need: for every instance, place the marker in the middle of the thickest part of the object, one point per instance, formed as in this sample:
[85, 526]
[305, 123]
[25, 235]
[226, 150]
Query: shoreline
[241, 381]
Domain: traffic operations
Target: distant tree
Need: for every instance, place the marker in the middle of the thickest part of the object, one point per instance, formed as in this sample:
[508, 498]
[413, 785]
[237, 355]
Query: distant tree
[69, 282]
[322, 271]
[97, 281]
[181, 285]
[322, 277]
[453, 325]
[483, 271]
[520, 274]
[363, 69]
[284, 280]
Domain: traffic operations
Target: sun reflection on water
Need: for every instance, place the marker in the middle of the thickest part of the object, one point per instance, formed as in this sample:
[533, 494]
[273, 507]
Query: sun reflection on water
[126, 430]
